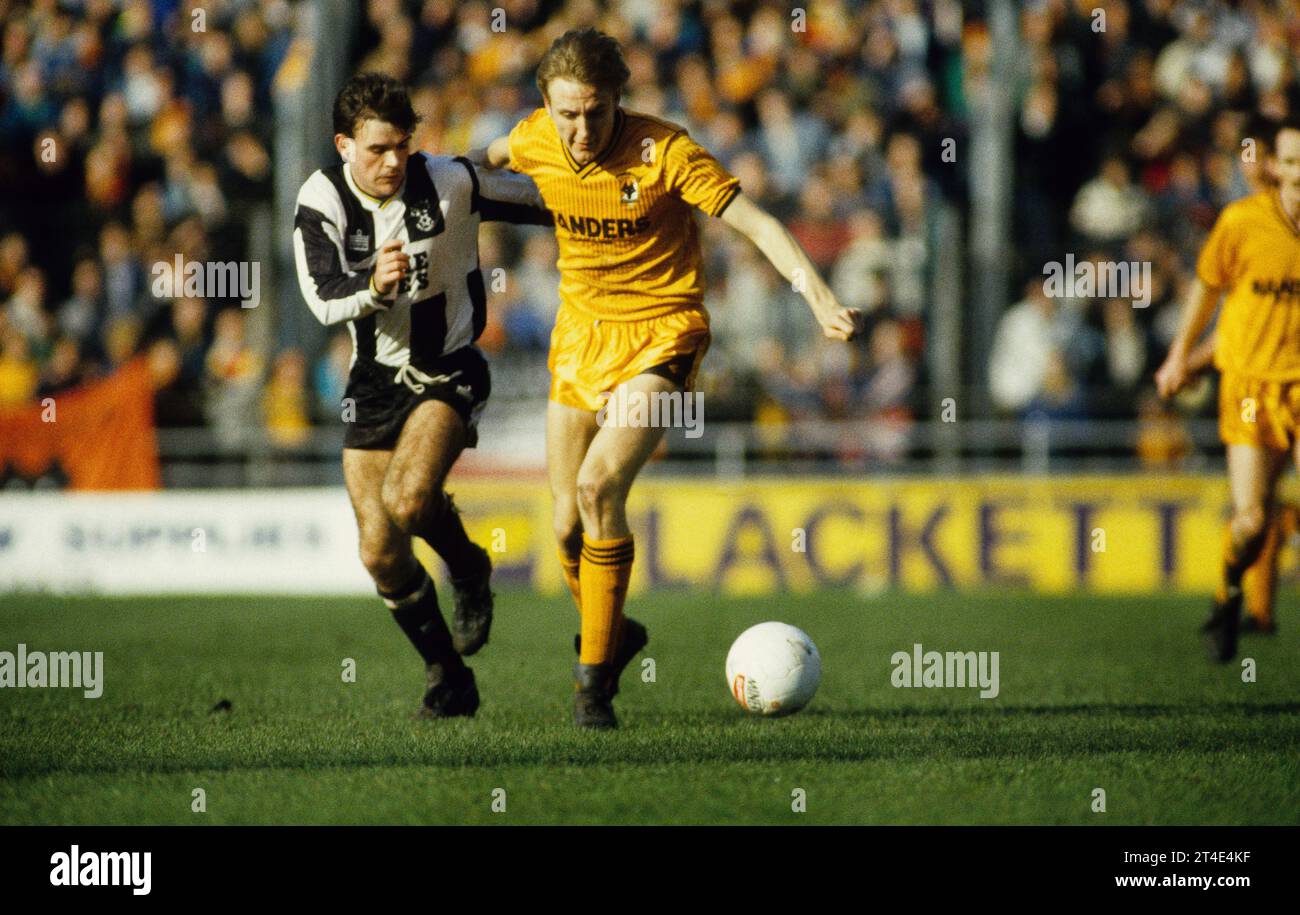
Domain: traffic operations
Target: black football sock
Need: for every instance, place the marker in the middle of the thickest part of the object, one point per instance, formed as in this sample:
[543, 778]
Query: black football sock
[1239, 560]
[415, 608]
[446, 535]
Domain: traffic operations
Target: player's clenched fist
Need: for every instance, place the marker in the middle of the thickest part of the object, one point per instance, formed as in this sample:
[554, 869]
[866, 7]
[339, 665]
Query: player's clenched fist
[1173, 376]
[390, 267]
[841, 323]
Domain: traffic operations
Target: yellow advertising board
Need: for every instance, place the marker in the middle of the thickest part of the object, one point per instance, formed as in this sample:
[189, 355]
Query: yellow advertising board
[1132, 534]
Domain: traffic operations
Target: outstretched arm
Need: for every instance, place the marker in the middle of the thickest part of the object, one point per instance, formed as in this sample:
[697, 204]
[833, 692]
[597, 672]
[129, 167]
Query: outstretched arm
[791, 261]
[506, 196]
[1177, 371]
[495, 155]
[1202, 358]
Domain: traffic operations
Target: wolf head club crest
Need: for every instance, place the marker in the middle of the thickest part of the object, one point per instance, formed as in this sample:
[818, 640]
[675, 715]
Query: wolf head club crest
[628, 190]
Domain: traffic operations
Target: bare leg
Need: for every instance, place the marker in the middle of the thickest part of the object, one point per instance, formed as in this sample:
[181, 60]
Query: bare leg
[1252, 478]
[569, 432]
[385, 549]
[613, 460]
[413, 492]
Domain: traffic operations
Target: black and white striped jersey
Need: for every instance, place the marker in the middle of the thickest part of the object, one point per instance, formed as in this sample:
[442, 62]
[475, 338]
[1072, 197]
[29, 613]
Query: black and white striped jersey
[441, 304]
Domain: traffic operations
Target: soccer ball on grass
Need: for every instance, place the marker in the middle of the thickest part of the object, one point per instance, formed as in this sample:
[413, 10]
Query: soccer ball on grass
[773, 669]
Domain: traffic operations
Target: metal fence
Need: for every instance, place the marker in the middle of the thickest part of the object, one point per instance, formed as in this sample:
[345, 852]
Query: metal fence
[195, 458]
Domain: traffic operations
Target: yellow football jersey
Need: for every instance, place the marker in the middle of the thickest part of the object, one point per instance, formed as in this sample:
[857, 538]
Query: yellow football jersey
[629, 247]
[1254, 253]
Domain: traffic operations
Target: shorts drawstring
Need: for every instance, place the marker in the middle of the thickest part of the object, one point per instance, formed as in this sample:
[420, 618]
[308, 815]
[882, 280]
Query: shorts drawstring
[416, 380]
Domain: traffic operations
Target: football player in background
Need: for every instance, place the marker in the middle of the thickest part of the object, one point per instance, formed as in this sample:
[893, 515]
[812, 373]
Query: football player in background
[1259, 583]
[387, 242]
[1253, 256]
[624, 188]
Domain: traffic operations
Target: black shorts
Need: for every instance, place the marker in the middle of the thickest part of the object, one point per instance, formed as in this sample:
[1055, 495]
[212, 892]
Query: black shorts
[381, 403]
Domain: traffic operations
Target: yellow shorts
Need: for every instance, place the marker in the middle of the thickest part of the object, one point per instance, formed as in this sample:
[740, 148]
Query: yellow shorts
[1261, 413]
[591, 357]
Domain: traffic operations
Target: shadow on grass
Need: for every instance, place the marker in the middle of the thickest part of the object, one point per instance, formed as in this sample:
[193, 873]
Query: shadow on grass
[1034, 733]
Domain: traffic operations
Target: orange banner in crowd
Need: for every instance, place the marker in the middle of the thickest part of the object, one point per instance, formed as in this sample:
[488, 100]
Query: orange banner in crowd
[100, 435]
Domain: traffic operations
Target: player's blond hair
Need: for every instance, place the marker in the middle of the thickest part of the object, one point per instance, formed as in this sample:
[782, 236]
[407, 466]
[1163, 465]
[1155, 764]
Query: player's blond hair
[585, 56]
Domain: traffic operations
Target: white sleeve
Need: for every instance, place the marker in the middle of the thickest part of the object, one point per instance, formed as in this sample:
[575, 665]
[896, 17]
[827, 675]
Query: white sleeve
[501, 195]
[334, 293]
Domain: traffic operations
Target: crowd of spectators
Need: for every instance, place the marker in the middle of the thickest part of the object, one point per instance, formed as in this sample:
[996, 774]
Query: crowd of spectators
[133, 132]
[835, 115]
[1138, 122]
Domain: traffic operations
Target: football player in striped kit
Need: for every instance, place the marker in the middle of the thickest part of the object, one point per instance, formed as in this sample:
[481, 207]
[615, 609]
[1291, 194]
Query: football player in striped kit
[387, 242]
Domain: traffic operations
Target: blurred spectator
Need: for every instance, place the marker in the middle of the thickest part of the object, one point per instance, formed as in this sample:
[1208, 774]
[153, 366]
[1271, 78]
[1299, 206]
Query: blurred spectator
[791, 141]
[330, 378]
[1027, 345]
[25, 310]
[285, 402]
[886, 393]
[233, 375]
[1109, 207]
[182, 337]
[13, 260]
[64, 368]
[861, 275]
[19, 375]
[80, 314]
[529, 323]
[816, 227]
[1060, 396]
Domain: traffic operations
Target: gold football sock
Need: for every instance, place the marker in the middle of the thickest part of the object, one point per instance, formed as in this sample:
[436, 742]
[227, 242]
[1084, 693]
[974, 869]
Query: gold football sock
[1237, 558]
[570, 566]
[604, 574]
[1259, 584]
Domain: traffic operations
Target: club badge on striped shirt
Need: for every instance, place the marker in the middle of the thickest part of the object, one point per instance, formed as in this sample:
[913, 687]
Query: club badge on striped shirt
[628, 190]
[423, 218]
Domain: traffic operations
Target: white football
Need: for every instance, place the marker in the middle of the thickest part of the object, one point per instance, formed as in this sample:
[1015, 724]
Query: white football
[773, 669]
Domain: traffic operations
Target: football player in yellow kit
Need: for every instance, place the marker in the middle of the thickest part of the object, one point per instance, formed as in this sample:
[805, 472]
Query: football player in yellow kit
[1259, 583]
[1253, 256]
[623, 188]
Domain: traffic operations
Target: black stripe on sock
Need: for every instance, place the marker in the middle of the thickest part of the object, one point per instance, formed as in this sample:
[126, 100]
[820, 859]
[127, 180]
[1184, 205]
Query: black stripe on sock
[609, 561]
[601, 550]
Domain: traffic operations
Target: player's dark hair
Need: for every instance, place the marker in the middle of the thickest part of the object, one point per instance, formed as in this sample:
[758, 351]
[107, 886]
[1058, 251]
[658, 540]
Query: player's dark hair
[585, 56]
[376, 96]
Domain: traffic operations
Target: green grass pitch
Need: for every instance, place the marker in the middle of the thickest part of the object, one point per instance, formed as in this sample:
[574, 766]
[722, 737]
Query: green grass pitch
[1095, 693]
